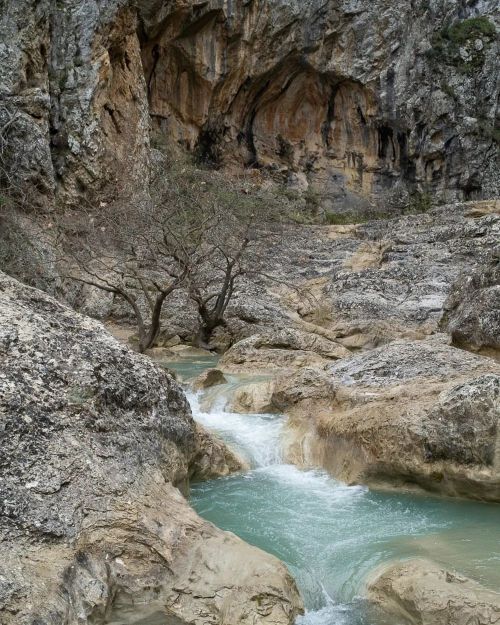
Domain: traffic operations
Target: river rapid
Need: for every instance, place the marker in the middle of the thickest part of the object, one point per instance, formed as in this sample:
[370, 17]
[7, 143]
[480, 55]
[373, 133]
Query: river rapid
[333, 536]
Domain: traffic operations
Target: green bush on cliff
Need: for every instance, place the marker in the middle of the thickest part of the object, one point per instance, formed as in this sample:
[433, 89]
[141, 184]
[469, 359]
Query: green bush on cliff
[447, 42]
[475, 27]
[487, 129]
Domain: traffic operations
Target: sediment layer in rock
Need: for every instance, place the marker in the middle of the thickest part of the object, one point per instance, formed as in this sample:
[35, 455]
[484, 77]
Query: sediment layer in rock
[362, 99]
[410, 414]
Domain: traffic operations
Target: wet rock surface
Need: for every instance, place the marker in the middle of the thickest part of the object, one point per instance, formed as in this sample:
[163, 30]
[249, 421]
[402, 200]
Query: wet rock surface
[209, 378]
[94, 441]
[409, 415]
[420, 591]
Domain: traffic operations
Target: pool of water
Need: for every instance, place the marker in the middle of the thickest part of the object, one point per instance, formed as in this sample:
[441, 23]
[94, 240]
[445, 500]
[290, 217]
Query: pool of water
[330, 535]
[188, 367]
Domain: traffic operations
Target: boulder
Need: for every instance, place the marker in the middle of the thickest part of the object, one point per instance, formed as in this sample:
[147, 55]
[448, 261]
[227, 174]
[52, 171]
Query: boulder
[412, 414]
[95, 443]
[472, 310]
[214, 457]
[253, 398]
[209, 378]
[422, 593]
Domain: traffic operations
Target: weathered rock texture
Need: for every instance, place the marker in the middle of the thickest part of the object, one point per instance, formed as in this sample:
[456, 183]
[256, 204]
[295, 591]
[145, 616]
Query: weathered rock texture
[422, 593]
[362, 98]
[472, 310]
[94, 440]
[411, 414]
[209, 378]
[281, 349]
[338, 289]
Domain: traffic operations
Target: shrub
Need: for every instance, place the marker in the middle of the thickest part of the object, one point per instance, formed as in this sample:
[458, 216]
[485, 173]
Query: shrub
[488, 129]
[475, 27]
[446, 43]
[420, 202]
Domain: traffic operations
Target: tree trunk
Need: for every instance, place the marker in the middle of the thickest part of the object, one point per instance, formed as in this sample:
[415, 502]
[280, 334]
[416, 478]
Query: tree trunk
[148, 338]
[206, 330]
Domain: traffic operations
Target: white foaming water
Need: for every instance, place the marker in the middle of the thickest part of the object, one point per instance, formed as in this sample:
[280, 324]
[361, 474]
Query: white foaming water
[256, 437]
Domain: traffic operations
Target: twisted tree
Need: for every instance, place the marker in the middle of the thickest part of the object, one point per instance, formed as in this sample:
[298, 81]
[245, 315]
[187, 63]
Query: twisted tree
[192, 233]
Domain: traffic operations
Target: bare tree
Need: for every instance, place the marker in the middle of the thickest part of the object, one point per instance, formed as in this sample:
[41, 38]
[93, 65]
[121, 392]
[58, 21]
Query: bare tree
[237, 223]
[197, 231]
[232, 255]
[141, 256]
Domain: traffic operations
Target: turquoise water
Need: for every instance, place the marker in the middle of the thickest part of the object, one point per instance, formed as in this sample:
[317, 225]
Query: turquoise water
[189, 367]
[330, 535]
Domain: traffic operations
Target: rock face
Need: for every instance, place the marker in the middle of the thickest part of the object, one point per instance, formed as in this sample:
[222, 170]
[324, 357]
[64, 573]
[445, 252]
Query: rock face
[420, 592]
[94, 441]
[255, 397]
[361, 98]
[410, 414]
[324, 303]
[472, 310]
[281, 349]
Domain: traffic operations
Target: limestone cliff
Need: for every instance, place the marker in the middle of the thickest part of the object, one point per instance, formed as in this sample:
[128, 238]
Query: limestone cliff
[359, 98]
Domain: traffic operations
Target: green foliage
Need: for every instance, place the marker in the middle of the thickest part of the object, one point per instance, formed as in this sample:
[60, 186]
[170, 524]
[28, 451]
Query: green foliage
[341, 219]
[447, 42]
[488, 129]
[448, 89]
[313, 200]
[475, 27]
[301, 217]
[420, 203]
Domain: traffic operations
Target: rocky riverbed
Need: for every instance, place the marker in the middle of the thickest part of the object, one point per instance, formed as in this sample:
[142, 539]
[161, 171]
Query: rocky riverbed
[369, 327]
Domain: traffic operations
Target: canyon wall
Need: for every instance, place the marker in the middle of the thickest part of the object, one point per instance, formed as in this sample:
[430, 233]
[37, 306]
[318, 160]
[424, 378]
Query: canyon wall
[365, 101]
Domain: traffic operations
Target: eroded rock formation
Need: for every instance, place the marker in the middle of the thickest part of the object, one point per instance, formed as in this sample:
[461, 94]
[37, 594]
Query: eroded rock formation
[95, 439]
[472, 310]
[420, 591]
[358, 98]
[410, 414]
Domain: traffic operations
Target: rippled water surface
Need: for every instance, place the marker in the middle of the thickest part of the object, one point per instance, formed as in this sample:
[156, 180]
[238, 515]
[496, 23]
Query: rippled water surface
[330, 535]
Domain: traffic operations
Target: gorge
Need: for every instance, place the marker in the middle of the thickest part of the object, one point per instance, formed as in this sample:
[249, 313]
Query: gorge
[249, 312]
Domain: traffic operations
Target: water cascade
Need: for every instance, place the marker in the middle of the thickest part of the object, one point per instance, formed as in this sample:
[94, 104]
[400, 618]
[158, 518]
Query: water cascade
[330, 535]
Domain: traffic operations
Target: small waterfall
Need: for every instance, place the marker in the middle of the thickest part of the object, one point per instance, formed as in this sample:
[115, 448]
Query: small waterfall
[331, 535]
[256, 437]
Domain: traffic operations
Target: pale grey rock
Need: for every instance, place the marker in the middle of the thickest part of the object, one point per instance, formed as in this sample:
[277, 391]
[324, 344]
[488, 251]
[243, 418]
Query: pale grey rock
[378, 108]
[411, 414]
[95, 441]
[472, 310]
[280, 349]
[421, 592]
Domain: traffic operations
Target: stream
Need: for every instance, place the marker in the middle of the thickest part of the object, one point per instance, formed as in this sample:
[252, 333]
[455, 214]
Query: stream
[332, 536]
